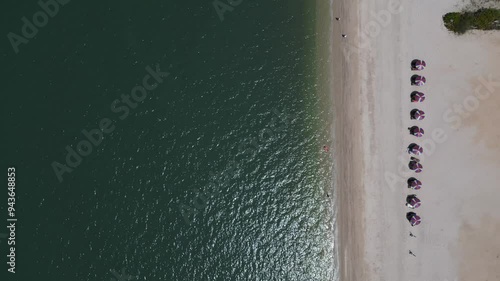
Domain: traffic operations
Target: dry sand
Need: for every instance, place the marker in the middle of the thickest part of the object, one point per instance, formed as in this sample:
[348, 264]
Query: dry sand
[459, 238]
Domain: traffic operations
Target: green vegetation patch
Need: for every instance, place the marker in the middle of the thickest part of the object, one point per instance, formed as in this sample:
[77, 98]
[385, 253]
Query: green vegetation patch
[483, 19]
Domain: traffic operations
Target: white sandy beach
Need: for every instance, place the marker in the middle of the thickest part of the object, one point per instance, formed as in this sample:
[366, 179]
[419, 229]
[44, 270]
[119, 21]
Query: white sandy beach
[459, 237]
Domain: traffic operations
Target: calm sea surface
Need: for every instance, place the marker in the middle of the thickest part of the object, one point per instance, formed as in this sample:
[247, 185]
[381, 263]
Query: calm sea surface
[218, 174]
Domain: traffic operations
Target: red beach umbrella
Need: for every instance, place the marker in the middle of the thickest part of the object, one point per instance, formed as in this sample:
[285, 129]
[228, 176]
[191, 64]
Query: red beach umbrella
[417, 114]
[417, 80]
[414, 184]
[415, 149]
[418, 65]
[415, 166]
[412, 201]
[416, 131]
[413, 218]
[417, 97]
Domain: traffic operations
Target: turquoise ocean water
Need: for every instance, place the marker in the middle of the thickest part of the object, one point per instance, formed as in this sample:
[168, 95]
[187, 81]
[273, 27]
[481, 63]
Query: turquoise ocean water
[216, 174]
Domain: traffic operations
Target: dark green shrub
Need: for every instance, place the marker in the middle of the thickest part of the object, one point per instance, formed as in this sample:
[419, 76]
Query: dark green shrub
[483, 19]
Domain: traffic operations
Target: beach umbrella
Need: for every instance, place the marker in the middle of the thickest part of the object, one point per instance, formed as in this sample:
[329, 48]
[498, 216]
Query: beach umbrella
[412, 201]
[413, 218]
[413, 183]
[415, 149]
[417, 114]
[418, 64]
[415, 166]
[417, 96]
[417, 80]
[416, 131]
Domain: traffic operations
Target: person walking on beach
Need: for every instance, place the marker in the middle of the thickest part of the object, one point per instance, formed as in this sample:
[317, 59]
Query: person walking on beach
[411, 235]
[411, 253]
[344, 36]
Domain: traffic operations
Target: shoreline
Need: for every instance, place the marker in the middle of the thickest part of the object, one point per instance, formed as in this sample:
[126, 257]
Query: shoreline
[347, 138]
